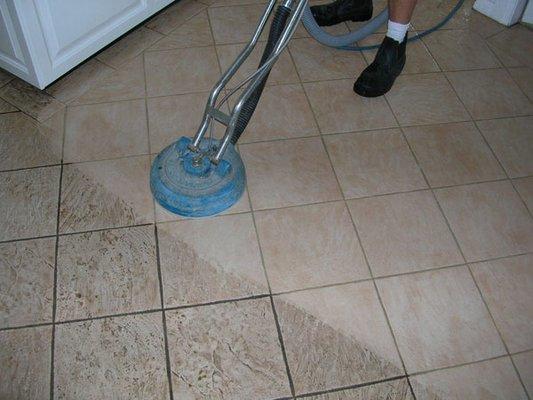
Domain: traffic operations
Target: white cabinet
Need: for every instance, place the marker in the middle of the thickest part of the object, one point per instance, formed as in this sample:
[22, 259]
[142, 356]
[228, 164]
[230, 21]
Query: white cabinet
[40, 40]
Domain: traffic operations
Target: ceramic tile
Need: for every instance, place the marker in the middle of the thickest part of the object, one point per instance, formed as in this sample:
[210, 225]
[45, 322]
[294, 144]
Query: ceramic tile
[193, 33]
[5, 77]
[343, 111]
[490, 93]
[524, 186]
[25, 356]
[175, 16]
[453, 154]
[121, 357]
[439, 319]
[524, 365]
[483, 25]
[507, 287]
[524, 79]
[226, 351]
[107, 272]
[429, 13]
[512, 141]
[224, 3]
[310, 246]
[370, 163]
[321, 327]
[25, 143]
[106, 130]
[27, 282]
[425, 99]
[235, 24]
[126, 83]
[197, 266]
[32, 101]
[289, 172]
[391, 390]
[5, 107]
[493, 379]
[28, 202]
[169, 72]
[514, 46]
[106, 194]
[404, 233]
[488, 219]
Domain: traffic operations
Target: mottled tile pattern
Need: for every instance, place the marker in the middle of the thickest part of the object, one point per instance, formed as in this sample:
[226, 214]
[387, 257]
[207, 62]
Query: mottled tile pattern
[5, 107]
[524, 186]
[174, 16]
[514, 45]
[391, 390]
[524, 365]
[524, 79]
[195, 32]
[235, 24]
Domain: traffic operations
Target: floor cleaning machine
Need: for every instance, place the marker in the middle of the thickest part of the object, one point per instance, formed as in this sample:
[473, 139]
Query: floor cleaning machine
[202, 176]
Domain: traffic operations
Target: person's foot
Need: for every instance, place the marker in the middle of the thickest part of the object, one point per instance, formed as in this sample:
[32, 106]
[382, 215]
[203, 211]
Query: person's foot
[378, 78]
[342, 10]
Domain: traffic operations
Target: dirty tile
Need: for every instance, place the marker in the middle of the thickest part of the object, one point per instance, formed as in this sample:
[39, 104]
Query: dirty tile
[507, 287]
[439, 319]
[425, 99]
[27, 282]
[5, 77]
[321, 327]
[193, 33]
[289, 172]
[310, 246]
[28, 202]
[106, 130]
[169, 72]
[25, 357]
[524, 186]
[483, 25]
[34, 102]
[391, 390]
[5, 107]
[343, 111]
[121, 357]
[79, 80]
[106, 194]
[488, 219]
[524, 365]
[370, 163]
[25, 143]
[129, 46]
[197, 267]
[316, 62]
[524, 79]
[493, 379]
[453, 154]
[107, 272]
[403, 233]
[226, 351]
[514, 45]
[429, 13]
[175, 16]
[235, 24]
[490, 93]
[126, 83]
[512, 141]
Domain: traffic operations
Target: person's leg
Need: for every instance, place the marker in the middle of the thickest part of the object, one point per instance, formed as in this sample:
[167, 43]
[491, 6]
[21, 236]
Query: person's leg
[342, 10]
[401, 11]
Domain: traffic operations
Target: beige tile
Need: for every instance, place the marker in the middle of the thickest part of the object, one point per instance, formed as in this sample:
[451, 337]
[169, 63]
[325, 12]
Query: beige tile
[25, 359]
[289, 172]
[425, 99]
[34, 102]
[339, 109]
[310, 246]
[483, 25]
[193, 33]
[5, 107]
[197, 265]
[439, 319]
[370, 163]
[175, 16]
[507, 287]
[25, 143]
[27, 282]
[28, 202]
[107, 272]
[79, 80]
[129, 46]
[460, 50]
[524, 365]
[5, 77]
[453, 154]
[126, 83]
[106, 130]
[514, 45]
[316, 62]
[169, 72]
[493, 379]
[512, 141]
[106, 194]
[335, 337]
[235, 24]
[391, 390]
[488, 219]
[490, 93]
[121, 357]
[224, 3]
[524, 186]
[226, 351]
[429, 13]
[524, 79]
[404, 233]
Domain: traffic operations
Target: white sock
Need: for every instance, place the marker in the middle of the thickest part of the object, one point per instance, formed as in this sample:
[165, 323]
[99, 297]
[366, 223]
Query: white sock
[396, 30]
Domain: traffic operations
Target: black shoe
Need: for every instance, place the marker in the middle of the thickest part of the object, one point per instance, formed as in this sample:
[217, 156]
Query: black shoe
[378, 78]
[342, 10]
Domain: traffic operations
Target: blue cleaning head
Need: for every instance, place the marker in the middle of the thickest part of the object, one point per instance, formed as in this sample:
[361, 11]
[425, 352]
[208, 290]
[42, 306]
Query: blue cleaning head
[189, 184]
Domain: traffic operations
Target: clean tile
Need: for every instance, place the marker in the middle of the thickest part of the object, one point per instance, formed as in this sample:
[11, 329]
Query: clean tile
[524, 365]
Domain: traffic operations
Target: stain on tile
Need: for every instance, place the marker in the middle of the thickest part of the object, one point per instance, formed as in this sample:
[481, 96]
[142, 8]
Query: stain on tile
[392, 390]
[175, 16]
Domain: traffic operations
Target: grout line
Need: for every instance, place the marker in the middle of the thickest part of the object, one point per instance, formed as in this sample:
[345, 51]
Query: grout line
[356, 386]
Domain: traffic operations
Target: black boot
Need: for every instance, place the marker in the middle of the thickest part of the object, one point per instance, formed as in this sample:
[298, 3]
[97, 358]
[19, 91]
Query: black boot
[378, 78]
[342, 10]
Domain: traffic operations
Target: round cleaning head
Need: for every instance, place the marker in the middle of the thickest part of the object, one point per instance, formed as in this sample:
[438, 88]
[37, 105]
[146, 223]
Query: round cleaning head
[189, 184]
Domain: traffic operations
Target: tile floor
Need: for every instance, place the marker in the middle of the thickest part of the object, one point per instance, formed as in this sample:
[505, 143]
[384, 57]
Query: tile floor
[383, 248]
